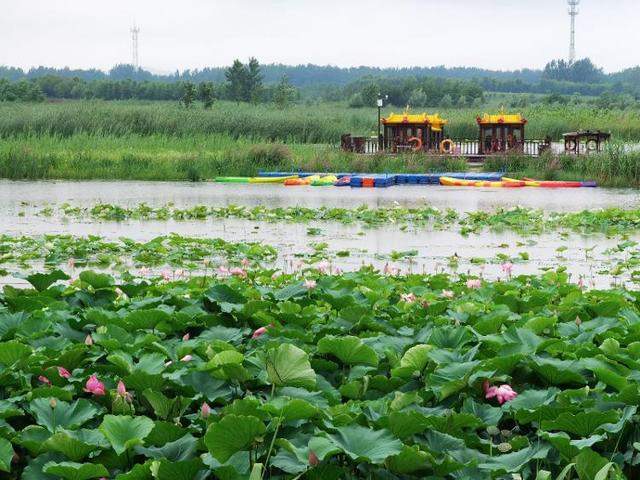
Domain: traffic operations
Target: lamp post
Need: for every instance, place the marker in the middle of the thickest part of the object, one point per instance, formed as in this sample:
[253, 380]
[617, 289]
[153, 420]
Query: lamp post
[380, 104]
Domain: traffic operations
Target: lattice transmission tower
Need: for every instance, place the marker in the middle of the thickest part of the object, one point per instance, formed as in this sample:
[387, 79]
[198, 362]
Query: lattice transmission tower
[573, 13]
[134, 46]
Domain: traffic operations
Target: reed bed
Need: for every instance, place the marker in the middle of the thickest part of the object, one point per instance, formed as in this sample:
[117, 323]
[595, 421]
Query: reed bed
[304, 123]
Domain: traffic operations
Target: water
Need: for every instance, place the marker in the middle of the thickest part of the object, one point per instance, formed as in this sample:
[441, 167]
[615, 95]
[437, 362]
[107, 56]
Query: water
[433, 250]
[83, 193]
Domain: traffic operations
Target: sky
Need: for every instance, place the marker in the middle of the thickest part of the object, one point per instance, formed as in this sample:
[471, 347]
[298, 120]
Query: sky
[181, 34]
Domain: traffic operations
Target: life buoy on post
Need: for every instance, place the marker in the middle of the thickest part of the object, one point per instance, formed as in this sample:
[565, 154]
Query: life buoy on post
[570, 146]
[418, 143]
[446, 146]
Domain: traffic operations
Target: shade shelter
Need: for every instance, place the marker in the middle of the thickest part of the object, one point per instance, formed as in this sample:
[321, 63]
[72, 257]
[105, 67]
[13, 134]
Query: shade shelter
[501, 133]
[412, 132]
[585, 142]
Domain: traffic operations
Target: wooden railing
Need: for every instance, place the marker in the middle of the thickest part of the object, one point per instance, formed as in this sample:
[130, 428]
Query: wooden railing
[465, 148]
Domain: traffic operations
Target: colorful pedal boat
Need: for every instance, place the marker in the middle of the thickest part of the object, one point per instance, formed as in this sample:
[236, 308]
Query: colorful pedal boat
[455, 182]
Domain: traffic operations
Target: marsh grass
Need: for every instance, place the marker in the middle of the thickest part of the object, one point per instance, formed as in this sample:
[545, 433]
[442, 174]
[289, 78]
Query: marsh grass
[304, 123]
[162, 141]
[199, 157]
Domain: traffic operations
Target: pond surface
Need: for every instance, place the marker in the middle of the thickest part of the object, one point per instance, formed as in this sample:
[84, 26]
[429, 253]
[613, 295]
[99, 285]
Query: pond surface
[431, 250]
[186, 193]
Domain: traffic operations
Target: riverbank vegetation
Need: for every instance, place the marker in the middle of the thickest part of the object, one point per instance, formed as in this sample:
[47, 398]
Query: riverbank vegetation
[165, 141]
[203, 157]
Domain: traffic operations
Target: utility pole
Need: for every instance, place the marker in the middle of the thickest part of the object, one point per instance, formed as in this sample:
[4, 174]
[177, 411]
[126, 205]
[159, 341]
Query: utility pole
[573, 13]
[134, 46]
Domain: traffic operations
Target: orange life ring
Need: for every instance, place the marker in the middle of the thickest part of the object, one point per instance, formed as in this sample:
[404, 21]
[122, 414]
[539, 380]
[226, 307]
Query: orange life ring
[418, 143]
[447, 146]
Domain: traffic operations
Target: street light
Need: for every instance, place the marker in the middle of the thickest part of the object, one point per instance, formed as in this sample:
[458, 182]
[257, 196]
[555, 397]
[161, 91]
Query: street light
[380, 105]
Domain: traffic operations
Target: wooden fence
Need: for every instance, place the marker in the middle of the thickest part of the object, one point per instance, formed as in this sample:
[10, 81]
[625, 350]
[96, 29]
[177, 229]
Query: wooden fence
[464, 148]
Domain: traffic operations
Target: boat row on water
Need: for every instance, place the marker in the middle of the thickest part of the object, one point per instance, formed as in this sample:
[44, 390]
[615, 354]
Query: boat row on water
[487, 180]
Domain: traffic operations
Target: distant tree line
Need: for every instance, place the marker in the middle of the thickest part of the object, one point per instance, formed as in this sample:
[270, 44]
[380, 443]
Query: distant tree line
[416, 92]
[255, 83]
[312, 76]
[243, 84]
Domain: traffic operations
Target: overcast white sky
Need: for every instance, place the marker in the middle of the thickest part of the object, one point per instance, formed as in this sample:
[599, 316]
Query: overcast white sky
[179, 34]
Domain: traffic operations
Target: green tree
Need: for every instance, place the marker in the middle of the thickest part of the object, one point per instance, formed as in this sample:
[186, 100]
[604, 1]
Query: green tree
[205, 94]
[370, 94]
[418, 98]
[253, 81]
[188, 94]
[446, 101]
[236, 76]
[285, 93]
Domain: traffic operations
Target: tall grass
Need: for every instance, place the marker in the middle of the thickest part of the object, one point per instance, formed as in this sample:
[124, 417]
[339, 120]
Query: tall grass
[321, 123]
[196, 157]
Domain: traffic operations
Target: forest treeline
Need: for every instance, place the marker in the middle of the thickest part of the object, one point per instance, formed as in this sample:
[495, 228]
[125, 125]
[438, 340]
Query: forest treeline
[281, 84]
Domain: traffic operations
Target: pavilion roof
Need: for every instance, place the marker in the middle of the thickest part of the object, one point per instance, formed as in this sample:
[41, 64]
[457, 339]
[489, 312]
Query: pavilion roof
[406, 118]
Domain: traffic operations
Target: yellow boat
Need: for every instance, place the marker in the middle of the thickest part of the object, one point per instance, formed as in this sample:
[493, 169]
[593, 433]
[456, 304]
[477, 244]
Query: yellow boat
[458, 182]
[271, 179]
[325, 181]
[527, 183]
[301, 181]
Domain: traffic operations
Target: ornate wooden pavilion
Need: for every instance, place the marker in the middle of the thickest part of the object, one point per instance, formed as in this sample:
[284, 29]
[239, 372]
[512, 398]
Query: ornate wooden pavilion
[501, 133]
[585, 142]
[412, 132]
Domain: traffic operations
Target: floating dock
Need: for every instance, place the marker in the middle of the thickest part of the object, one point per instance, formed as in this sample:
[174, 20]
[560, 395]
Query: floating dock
[383, 180]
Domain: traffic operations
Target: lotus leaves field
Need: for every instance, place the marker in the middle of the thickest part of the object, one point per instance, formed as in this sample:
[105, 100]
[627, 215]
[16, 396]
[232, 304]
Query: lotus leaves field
[523, 220]
[252, 373]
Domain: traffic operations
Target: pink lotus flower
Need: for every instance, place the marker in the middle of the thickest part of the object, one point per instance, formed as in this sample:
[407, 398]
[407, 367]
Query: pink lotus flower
[71, 263]
[259, 332]
[186, 337]
[581, 283]
[179, 273]
[313, 459]
[447, 294]
[94, 386]
[337, 271]
[122, 391]
[238, 272]
[44, 380]
[323, 266]
[504, 393]
[310, 284]
[245, 263]
[222, 271]
[507, 268]
[88, 340]
[474, 283]
[205, 410]
[186, 358]
[63, 372]
[389, 270]
[166, 275]
[408, 297]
